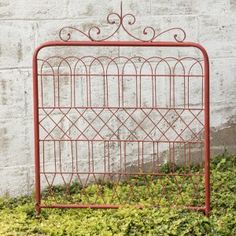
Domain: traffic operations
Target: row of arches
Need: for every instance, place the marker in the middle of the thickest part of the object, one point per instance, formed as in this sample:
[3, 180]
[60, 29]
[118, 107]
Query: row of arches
[120, 82]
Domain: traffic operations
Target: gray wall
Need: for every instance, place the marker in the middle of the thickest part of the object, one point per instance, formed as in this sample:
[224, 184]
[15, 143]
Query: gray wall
[26, 24]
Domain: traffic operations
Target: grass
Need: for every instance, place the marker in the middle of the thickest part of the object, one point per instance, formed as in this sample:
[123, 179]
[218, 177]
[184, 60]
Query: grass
[17, 215]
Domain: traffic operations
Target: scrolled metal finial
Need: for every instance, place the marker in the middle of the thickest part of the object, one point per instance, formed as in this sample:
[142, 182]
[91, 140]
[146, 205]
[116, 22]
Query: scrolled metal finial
[149, 33]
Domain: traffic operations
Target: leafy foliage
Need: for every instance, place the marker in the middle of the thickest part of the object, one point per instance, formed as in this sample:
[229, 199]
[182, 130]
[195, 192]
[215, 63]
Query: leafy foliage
[17, 215]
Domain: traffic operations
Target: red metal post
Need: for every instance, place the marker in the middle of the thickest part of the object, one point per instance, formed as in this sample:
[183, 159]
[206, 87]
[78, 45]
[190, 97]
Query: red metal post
[36, 133]
[207, 131]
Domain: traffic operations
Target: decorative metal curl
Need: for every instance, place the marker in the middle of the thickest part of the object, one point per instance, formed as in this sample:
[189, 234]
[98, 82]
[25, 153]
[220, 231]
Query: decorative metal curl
[120, 20]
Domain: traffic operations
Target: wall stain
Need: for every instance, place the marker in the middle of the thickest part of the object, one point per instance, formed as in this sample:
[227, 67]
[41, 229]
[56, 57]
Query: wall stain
[89, 10]
[4, 4]
[233, 4]
[19, 51]
[4, 141]
[3, 92]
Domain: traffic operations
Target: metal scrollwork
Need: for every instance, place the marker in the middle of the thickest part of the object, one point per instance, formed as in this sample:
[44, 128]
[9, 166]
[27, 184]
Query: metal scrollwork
[149, 34]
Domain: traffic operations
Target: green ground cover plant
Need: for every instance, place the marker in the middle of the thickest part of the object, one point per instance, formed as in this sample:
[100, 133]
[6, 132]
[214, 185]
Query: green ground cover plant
[17, 215]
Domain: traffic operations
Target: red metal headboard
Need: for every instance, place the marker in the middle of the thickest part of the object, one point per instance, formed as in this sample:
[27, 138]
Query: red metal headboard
[105, 113]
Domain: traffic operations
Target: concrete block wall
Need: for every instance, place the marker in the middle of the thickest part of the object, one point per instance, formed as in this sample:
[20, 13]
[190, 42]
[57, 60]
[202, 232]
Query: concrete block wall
[26, 24]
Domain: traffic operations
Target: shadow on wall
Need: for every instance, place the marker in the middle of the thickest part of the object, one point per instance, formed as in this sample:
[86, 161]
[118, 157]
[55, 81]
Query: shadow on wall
[224, 138]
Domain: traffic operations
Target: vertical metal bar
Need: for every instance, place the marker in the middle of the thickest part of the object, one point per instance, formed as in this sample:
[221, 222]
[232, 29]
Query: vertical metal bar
[36, 133]
[207, 132]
